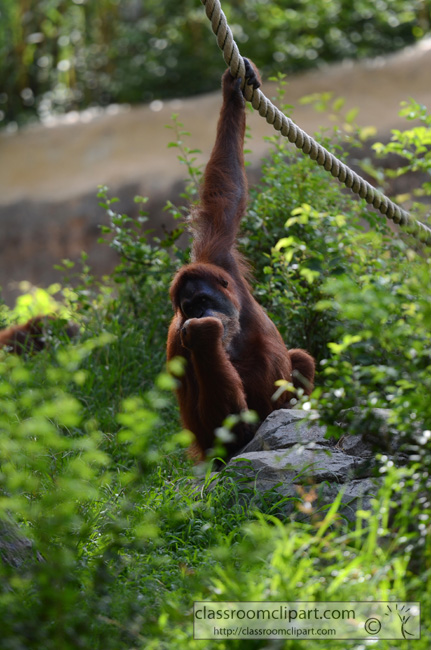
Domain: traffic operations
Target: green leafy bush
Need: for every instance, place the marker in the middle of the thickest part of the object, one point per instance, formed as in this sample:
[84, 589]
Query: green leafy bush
[108, 534]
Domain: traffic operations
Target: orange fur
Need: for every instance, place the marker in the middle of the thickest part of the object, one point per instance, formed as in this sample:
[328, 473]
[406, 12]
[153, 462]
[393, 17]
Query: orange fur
[31, 336]
[234, 360]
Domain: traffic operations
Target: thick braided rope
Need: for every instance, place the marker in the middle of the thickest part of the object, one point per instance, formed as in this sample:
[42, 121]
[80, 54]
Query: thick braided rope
[301, 139]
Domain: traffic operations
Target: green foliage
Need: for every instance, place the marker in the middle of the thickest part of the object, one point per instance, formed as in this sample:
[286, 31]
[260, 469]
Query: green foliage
[109, 534]
[288, 561]
[413, 147]
[309, 230]
[358, 300]
[57, 56]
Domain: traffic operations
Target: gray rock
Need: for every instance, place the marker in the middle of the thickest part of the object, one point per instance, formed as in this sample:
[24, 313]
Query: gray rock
[354, 445]
[291, 456]
[15, 549]
[371, 431]
[317, 464]
[285, 428]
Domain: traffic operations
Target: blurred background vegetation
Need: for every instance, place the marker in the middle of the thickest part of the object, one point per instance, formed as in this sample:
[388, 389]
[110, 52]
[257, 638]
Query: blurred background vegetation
[105, 538]
[108, 535]
[61, 55]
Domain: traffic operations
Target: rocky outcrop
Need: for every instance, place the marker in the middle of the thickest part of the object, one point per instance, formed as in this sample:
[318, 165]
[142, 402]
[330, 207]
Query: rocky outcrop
[290, 453]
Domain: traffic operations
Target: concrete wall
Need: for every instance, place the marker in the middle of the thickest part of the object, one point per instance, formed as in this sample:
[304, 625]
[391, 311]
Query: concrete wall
[50, 173]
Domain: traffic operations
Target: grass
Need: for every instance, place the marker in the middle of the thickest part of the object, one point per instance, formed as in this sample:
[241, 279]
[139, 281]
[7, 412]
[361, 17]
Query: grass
[126, 533]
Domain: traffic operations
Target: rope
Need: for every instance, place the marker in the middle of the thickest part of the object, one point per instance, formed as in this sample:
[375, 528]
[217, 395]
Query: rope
[301, 139]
